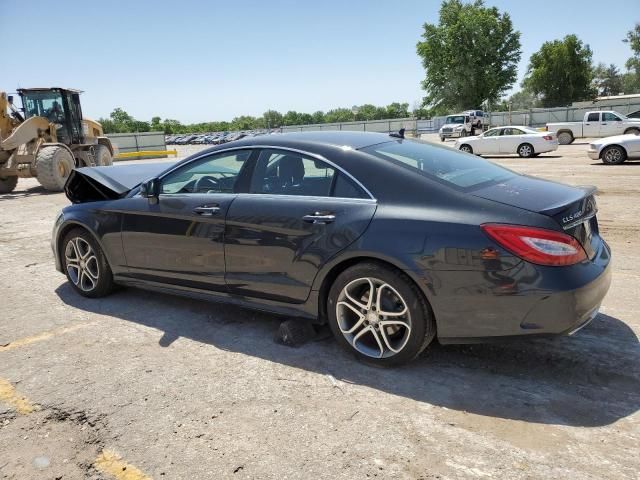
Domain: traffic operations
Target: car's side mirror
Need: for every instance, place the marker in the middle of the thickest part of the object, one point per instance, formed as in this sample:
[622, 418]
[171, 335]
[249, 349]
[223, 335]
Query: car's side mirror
[10, 99]
[150, 189]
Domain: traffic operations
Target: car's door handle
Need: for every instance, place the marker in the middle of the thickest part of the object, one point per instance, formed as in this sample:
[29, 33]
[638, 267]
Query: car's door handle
[319, 217]
[206, 210]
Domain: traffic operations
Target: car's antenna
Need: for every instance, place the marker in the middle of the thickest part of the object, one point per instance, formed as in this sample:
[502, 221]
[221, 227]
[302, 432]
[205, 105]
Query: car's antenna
[400, 134]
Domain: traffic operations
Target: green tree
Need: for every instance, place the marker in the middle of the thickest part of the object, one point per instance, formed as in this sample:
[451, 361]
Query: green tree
[292, 118]
[521, 100]
[318, 117]
[561, 72]
[272, 119]
[631, 78]
[397, 110]
[470, 56]
[156, 124]
[339, 115]
[607, 80]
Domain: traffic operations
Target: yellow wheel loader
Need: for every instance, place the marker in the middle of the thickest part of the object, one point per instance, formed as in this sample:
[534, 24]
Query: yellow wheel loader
[48, 138]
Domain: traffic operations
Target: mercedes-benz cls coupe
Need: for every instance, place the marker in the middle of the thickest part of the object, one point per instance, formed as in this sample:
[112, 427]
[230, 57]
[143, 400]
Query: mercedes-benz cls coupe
[392, 242]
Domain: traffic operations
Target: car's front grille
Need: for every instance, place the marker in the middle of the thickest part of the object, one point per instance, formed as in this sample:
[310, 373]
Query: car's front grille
[447, 130]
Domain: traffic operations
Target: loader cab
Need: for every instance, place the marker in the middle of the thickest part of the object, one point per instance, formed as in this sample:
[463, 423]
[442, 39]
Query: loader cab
[59, 106]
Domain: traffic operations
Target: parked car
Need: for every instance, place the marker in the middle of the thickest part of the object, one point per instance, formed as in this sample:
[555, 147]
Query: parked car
[478, 118]
[595, 124]
[524, 141]
[635, 114]
[390, 241]
[456, 126]
[615, 150]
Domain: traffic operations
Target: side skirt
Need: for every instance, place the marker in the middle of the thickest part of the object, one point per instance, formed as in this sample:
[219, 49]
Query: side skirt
[304, 311]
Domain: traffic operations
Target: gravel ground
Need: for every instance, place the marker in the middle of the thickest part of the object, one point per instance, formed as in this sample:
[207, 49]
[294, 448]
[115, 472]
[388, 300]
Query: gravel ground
[141, 385]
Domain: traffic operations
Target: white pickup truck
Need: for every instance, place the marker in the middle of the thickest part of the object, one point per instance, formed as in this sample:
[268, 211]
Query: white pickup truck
[595, 124]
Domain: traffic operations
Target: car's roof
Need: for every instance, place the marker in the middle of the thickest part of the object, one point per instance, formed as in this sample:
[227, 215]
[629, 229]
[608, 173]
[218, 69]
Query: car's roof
[353, 140]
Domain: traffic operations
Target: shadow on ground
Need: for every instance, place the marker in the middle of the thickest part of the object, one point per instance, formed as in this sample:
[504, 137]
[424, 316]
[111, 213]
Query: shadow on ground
[27, 192]
[590, 379]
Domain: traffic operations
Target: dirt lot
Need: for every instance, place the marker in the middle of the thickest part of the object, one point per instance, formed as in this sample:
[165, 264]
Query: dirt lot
[142, 385]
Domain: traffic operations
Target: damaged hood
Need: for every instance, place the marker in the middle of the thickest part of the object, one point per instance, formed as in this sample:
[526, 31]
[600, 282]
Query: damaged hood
[91, 184]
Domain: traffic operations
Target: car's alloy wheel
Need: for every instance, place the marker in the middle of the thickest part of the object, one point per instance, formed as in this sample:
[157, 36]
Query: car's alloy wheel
[378, 314]
[525, 150]
[466, 149]
[86, 266]
[373, 317]
[613, 155]
[82, 264]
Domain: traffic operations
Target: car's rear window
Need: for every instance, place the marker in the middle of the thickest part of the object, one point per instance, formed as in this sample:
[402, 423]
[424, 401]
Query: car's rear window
[456, 169]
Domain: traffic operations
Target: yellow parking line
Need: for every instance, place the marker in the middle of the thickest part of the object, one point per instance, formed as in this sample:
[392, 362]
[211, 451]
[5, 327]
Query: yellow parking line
[41, 336]
[19, 403]
[110, 463]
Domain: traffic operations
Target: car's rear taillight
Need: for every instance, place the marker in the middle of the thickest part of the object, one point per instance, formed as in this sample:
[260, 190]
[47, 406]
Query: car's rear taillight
[548, 137]
[537, 245]
[546, 127]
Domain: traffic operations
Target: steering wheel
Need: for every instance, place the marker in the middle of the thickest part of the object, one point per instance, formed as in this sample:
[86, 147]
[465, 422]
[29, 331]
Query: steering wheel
[206, 182]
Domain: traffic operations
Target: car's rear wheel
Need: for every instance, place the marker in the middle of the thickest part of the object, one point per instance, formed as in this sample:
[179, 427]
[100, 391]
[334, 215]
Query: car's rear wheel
[632, 131]
[525, 150]
[378, 314]
[85, 264]
[613, 155]
[565, 138]
[8, 184]
[466, 148]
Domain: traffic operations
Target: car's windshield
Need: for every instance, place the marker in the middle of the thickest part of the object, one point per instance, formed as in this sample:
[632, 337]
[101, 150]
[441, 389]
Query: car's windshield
[455, 119]
[445, 165]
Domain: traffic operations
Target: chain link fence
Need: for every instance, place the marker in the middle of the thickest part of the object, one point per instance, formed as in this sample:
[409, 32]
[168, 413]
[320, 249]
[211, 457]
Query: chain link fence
[535, 117]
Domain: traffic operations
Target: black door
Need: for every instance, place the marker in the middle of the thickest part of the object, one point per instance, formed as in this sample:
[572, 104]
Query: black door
[301, 212]
[179, 239]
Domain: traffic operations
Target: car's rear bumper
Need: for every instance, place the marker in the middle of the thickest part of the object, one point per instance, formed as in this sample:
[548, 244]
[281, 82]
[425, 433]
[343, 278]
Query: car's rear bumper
[472, 306]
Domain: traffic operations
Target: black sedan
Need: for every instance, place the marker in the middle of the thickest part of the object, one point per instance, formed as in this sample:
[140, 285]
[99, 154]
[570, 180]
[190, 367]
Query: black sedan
[391, 241]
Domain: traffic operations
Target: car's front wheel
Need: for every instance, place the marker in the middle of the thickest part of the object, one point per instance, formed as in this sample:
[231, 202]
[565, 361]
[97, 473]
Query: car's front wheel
[466, 148]
[377, 313]
[85, 264]
[613, 155]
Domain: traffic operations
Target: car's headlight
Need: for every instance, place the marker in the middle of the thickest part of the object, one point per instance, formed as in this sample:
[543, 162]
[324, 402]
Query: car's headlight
[593, 146]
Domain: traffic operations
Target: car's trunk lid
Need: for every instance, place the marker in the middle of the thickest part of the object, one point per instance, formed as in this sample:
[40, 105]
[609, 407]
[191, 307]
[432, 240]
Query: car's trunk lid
[574, 208]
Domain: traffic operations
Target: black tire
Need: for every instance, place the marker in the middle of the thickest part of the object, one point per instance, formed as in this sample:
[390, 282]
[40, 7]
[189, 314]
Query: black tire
[54, 165]
[526, 150]
[442, 139]
[8, 184]
[565, 138]
[398, 291]
[93, 278]
[462, 134]
[102, 155]
[613, 155]
[465, 147]
[632, 131]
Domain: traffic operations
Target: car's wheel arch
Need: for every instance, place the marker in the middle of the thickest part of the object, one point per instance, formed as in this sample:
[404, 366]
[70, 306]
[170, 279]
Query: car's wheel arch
[330, 272]
[626, 153]
[71, 225]
[631, 130]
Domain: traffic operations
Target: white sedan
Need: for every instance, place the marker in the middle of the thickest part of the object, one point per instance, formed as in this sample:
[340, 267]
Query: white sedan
[615, 150]
[524, 141]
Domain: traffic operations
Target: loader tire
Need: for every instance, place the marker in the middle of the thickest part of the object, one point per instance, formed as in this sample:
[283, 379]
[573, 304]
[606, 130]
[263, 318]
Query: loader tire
[7, 184]
[53, 167]
[103, 156]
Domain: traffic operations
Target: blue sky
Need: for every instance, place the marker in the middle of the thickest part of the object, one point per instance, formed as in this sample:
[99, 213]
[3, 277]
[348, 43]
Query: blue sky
[196, 60]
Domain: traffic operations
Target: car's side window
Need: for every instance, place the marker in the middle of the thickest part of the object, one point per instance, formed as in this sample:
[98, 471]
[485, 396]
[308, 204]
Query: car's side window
[290, 173]
[492, 133]
[593, 117]
[216, 173]
[610, 117]
[512, 131]
[280, 172]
